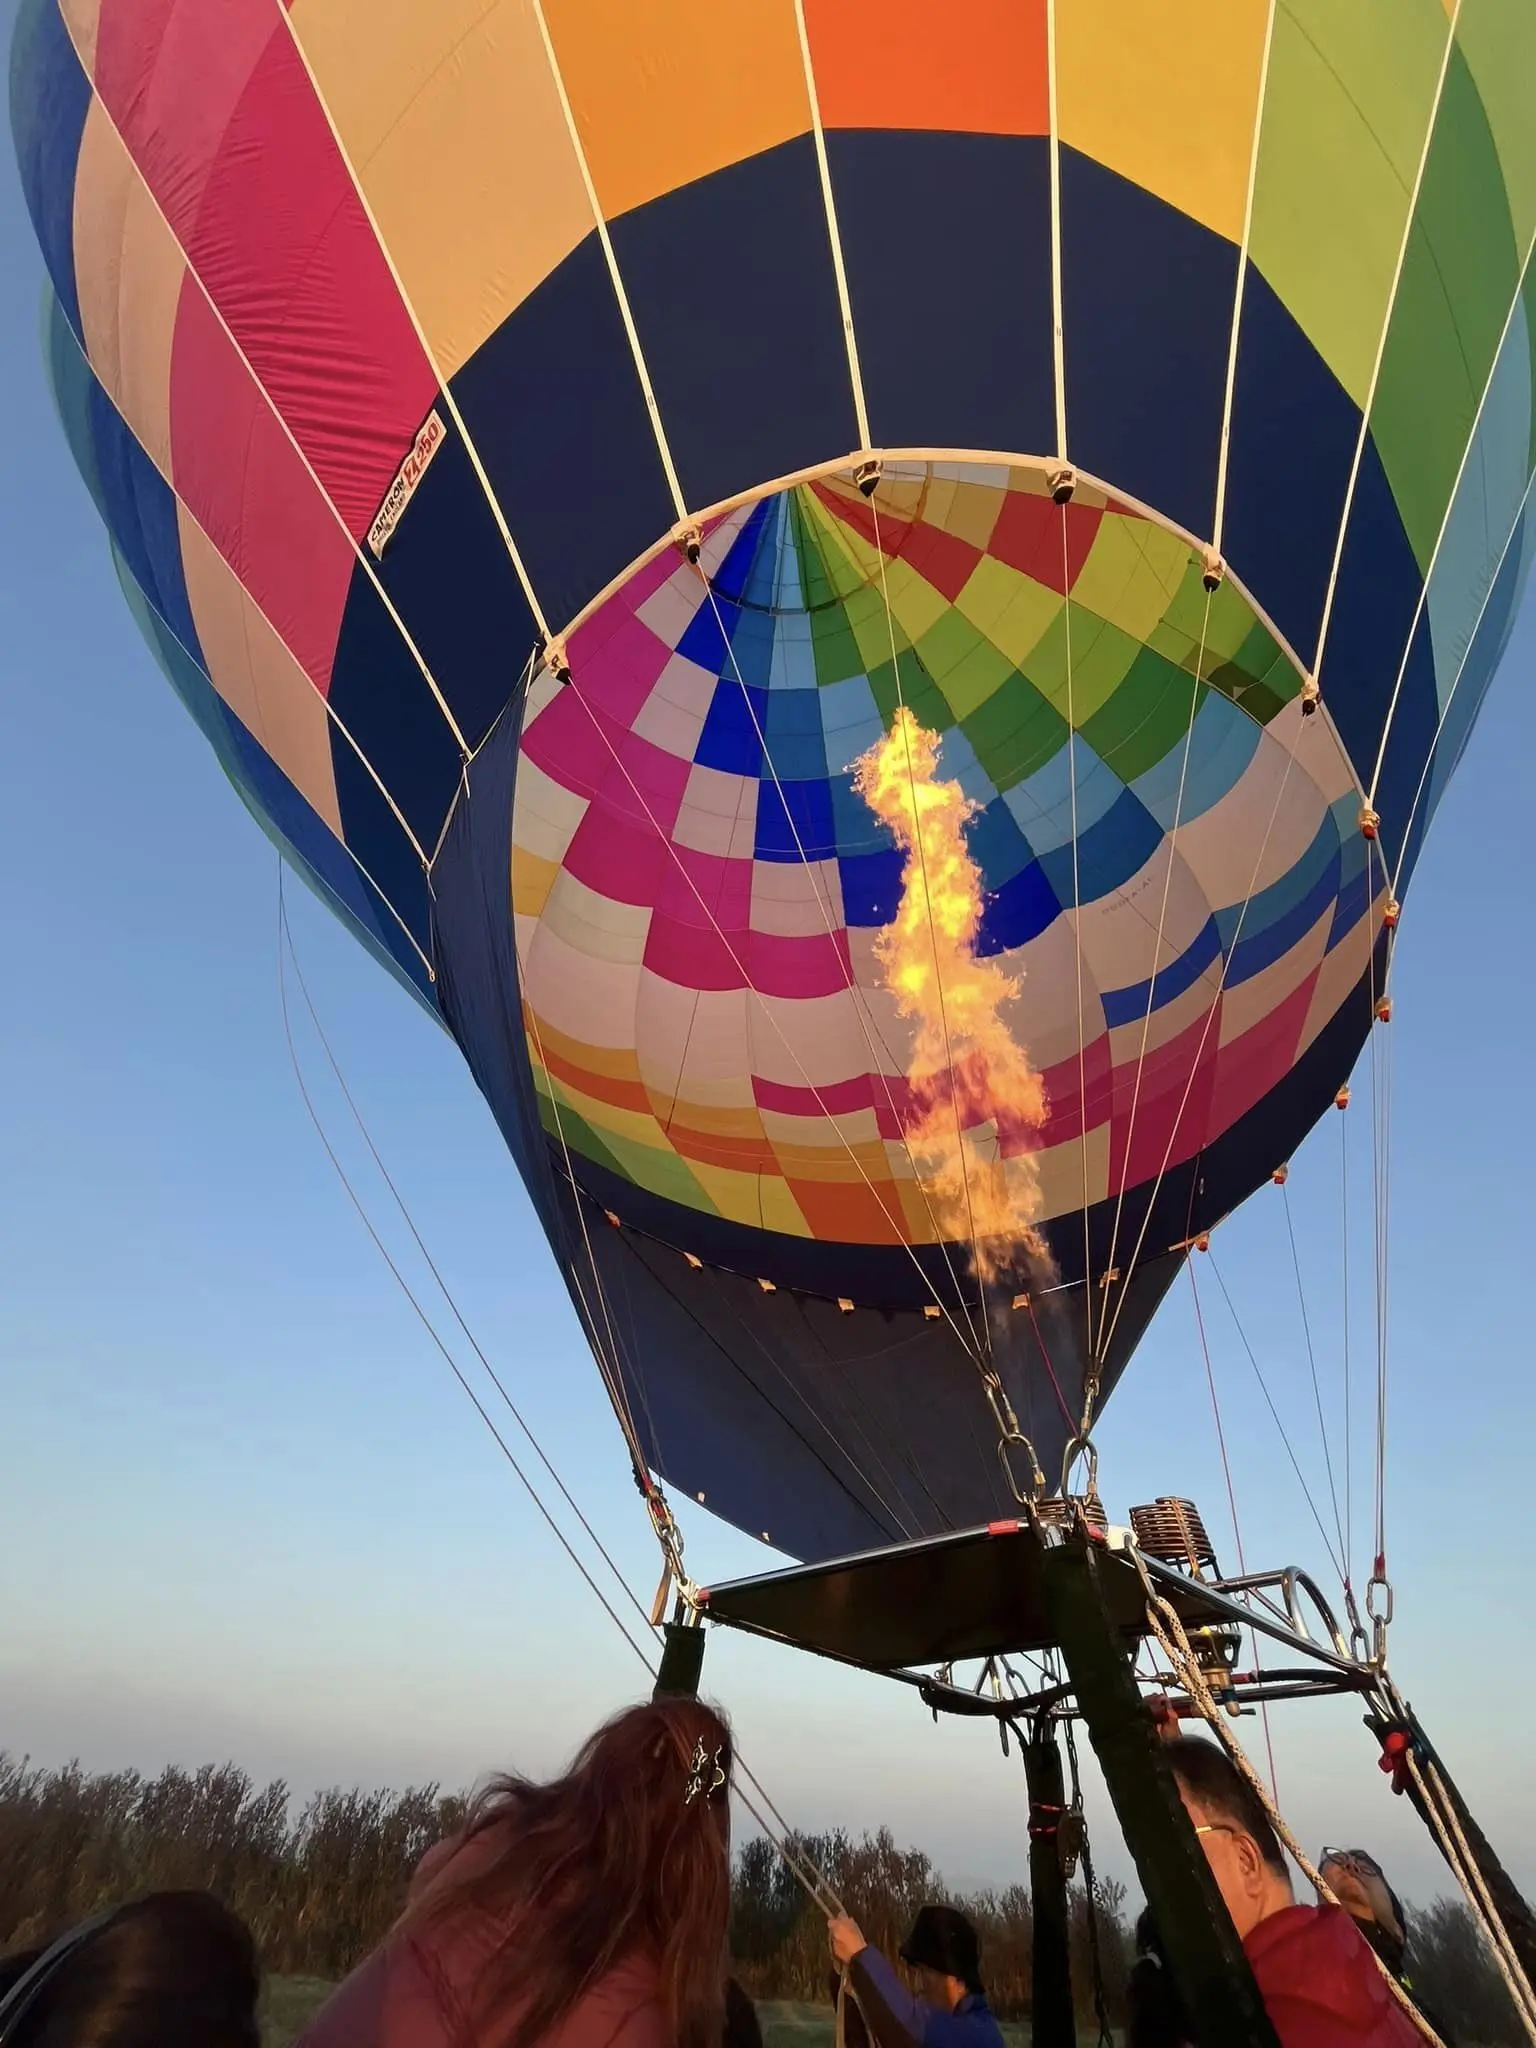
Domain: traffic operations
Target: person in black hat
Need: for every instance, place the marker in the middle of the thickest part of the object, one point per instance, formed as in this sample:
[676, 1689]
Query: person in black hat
[942, 1948]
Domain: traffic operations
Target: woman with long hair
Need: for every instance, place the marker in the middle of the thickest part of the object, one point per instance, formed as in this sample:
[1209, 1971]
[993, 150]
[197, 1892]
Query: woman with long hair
[586, 1913]
[172, 1970]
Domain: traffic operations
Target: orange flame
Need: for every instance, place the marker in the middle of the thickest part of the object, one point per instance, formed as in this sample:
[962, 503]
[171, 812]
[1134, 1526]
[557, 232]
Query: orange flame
[977, 1104]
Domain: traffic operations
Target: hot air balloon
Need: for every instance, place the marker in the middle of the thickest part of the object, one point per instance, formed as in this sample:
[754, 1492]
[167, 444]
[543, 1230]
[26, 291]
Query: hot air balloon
[552, 448]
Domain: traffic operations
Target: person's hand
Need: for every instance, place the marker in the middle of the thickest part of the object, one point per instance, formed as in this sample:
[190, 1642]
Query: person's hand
[845, 1938]
[1165, 1717]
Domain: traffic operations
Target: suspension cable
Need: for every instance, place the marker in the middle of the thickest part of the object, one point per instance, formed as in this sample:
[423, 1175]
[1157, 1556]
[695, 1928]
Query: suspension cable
[933, 938]
[1197, 684]
[1349, 1451]
[1317, 1392]
[965, 1338]
[410, 1223]
[426, 1321]
[1237, 1533]
[800, 1866]
[860, 1005]
[1275, 1416]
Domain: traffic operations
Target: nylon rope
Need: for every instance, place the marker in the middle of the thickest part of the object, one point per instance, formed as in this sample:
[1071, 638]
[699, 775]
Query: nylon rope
[1347, 506]
[899, 1521]
[359, 553]
[445, 389]
[966, 1339]
[616, 1391]
[834, 233]
[426, 1321]
[421, 1245]
[1445, 1824]
[859, 1002]
[800, 1866]
[1349, 1452]
[1445, 712]
[187, 512]
[1229, 953]
[1317, 1392]
[1445, 523]
[1219, 514]
[1198, 684]
[1336, 1561]
[933, 941]
[1378, 1201]
[1058, 328]
[1237, 1531]
[1090, 1374]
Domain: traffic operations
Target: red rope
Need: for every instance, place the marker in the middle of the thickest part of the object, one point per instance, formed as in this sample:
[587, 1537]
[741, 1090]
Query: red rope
[1237, 1533]
[1056, 1383]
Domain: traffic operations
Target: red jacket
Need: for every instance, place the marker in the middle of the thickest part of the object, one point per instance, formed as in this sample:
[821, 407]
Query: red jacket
[417, 1990]
[414, 1994]
[1321, 1984]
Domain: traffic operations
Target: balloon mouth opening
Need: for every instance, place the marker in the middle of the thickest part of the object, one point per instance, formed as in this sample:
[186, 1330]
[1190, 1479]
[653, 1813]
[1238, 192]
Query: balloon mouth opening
[1142, 885]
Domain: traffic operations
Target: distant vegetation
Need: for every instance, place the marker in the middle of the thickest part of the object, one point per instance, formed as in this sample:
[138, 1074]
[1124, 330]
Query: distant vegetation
[320, 1883]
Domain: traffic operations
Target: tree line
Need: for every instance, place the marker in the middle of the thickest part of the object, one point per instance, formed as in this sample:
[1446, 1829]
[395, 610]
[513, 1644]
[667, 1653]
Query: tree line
[320, 1881]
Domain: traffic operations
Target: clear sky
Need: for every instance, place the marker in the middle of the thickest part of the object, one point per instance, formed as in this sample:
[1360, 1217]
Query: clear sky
[245, 1511]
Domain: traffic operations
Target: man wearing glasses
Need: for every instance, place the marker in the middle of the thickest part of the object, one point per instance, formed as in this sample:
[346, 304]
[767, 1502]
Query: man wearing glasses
[1319, 1981]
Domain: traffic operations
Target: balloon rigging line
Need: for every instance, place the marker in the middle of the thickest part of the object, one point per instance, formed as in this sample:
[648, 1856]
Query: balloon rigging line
[359, 553]
[800, 1866]
[1050, 1368]
[284, 939]
[1334, 1559]
[185, 511]
[1409, 217]
[900, 1522]
[1219, 514]
[1058, 330]
[445, 390]
[1237, 1531]
[1440, 1811]
[1229, 953]
[1445, 712]
[1495, 360]
[610, 258]
[933, 937]
[966, 1339]
[1317, 1392]
[1349, 1450]
[1198, 684]
[1090, 1388]
[1381, 1129]
[420, 1242]
[834, 234]
[617, 1392]
[859, 1003]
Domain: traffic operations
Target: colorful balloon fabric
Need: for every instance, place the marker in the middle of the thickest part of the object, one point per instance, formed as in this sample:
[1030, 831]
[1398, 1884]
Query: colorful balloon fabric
[399, 342]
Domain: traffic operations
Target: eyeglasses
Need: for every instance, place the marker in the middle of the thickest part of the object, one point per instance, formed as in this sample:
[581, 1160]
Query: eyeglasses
[1216, 1827]
[1356, 1858]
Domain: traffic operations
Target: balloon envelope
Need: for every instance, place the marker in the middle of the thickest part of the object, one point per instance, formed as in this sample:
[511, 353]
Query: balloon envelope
[389, 335]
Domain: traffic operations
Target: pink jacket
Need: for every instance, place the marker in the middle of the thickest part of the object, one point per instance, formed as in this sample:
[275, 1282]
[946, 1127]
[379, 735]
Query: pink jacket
[417, 1990]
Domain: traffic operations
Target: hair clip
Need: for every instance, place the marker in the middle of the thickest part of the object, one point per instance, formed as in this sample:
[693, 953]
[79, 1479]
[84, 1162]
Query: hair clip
[704, 1767]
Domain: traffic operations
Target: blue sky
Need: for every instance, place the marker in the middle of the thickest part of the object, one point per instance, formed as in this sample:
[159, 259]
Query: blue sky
[244, 1508]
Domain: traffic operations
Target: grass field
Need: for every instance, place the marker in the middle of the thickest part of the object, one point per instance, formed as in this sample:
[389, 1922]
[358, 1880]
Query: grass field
[289, 2002]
